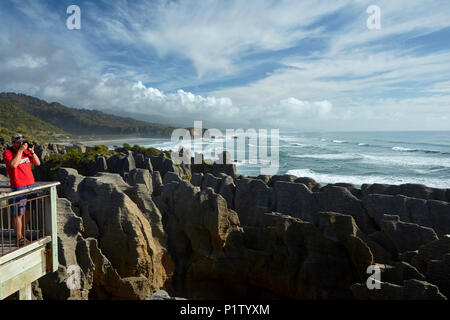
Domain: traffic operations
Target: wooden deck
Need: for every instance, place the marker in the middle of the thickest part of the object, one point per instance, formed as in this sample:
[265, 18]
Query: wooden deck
[19, 267]
[9, 243]
[8, 246]
[24, 265]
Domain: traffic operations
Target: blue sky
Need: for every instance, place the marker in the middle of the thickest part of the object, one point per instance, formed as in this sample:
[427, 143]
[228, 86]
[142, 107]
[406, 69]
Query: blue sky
[276, 64]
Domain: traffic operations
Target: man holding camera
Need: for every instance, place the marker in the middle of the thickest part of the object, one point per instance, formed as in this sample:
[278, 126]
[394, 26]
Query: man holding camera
[18, 160]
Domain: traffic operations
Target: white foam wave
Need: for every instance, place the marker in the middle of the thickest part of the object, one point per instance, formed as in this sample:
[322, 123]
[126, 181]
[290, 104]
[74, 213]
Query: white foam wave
[407, 161]
[339, 141]
[363, 144]
[332, 156]
[296, 144]
[431, 170]
[325, 178]
[403, 149]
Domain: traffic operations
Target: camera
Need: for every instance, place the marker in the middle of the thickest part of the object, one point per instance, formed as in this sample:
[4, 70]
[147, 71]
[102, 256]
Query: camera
[30, 145]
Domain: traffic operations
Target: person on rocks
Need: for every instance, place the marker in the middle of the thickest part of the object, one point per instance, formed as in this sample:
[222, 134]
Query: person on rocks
[18, 159]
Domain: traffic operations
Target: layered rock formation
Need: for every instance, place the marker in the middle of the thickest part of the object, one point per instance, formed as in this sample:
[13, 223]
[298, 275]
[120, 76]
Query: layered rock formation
[293, 242]
[115, 235]
[141, 224]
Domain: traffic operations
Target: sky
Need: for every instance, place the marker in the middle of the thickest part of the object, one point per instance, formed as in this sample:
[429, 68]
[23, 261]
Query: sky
[302, 65]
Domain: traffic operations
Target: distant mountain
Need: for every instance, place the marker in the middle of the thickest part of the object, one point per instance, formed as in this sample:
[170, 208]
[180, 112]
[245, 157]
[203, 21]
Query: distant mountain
[15, 120]
[84, 121]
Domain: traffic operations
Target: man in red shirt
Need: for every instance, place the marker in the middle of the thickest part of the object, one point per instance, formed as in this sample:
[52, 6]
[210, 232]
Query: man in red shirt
[18, 160]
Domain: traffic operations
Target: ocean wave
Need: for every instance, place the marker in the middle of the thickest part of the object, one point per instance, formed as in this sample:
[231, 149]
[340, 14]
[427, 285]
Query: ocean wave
[358, 180]
[407, 160]
[404, 161]
[363, 144]
[339, 141]
[329, 156]
[403, 149]
[290, 138]
[441, 170]
[296, 144]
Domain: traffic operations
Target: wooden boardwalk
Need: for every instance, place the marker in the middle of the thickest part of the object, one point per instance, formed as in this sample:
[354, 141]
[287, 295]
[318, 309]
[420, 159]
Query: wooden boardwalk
[9, 244]
[19, 267]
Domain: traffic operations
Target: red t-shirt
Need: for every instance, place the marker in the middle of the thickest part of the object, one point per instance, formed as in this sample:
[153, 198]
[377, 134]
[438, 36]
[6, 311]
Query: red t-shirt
[22, 175]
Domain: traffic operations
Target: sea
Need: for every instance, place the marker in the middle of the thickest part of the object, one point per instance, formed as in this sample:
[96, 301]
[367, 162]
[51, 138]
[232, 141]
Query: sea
[332, 157]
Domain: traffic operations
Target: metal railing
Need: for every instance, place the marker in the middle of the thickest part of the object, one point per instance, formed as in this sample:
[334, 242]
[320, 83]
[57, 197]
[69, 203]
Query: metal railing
[27, 210]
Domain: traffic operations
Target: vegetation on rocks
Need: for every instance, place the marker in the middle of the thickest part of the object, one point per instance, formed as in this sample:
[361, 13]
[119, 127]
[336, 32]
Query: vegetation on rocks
[138, 149]
[76, 159]
[186, 177]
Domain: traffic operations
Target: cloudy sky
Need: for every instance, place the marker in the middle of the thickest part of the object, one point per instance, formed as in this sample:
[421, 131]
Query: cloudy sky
[305, 65]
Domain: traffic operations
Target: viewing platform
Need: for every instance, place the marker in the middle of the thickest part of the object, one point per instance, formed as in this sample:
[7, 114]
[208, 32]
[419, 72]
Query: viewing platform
[23, 263]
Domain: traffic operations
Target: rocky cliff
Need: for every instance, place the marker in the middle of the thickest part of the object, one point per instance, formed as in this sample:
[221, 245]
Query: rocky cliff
[139, 224]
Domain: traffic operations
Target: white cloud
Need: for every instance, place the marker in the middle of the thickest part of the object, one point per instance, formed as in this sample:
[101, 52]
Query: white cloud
[297, 108]
[357, 78]
[216, 35]
[113, 93]
[440, 87]
[27, 61]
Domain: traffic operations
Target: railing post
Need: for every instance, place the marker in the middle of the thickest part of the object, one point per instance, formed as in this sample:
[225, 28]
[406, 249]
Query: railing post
[25, 293]
[51, 226]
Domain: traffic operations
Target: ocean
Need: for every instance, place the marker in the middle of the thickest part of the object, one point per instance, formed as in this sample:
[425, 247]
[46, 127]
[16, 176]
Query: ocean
[350, 157]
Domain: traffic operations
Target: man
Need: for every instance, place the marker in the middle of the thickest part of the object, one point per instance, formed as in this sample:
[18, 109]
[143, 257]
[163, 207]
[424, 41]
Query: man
[18, 160]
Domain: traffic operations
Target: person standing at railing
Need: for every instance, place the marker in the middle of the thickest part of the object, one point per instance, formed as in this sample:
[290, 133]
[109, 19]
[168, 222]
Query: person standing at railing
[18, 160]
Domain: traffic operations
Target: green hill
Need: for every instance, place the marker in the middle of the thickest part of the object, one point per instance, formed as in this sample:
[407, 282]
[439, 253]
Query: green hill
[14, 120]
[84, 121]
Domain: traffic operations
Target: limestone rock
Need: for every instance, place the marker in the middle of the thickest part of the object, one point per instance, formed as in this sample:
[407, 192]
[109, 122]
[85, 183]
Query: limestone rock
[139, 160]
[410, 290]
[310, 183]
[341, 200]
[127, 228]
[54, 285]
[433, 214]
[171, 177]
[124, 233]
[253, 197]
[274, 256]
[408, 256]
[264, 178]
[216, 169]
[141, 176]
[350, 187]
[227, 190]
[121, 164]
[431, 251]
[211, 181]
[163, 165]
[438, 273]
[197, 179]
[348, 233]
[283, 178]
[406, 236]
[159, 295]
[157, 182]
[407, 190]
[296, 200]
[400, 272]
[100, 164]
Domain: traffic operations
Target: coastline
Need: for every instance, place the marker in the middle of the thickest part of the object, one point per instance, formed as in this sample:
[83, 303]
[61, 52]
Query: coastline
[203, 231]
[334, 157]
[102, 140]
